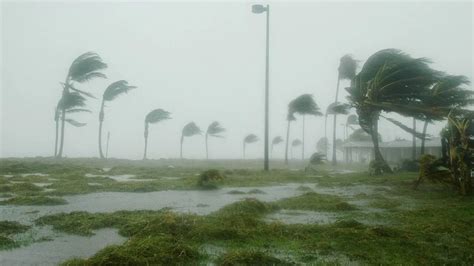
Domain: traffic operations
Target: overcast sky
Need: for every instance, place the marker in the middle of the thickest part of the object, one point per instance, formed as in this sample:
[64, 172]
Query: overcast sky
[204, 62]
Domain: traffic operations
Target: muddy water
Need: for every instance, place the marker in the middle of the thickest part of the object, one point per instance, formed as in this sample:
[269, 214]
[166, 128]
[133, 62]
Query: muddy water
[60, 249]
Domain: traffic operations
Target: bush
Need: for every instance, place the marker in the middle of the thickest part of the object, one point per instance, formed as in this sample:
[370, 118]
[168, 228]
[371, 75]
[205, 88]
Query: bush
[208, 178]
[410, 165]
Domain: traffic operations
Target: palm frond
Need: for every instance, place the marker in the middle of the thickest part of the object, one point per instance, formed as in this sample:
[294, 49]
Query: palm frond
[317, 158]
[75, 123]
[322, 144]
[304, 105]
[251, 138]
[407, 129]
[88, 94]
[352, 120]
[296, 142]
[347, 67]
[214, 129]
[156, 116]
[71, 100]
[86, 67]
[338, 108]
[116, 89]
[78, 110]
[191, 129]
[277, 140]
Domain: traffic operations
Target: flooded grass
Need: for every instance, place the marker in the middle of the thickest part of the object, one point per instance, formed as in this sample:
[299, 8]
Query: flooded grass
[7, 230]
[252, 216]
[34, 200]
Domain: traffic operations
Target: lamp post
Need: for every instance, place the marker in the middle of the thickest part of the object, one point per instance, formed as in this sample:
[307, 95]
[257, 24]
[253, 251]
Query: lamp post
[258, 9]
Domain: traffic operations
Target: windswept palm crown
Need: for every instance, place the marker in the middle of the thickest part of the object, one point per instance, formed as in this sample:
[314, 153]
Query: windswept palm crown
[153, 117]
[277, 140]
[347, 67]
[296, 143]
[250, 138]
[213, 130]
[189, 130]
[304, 105]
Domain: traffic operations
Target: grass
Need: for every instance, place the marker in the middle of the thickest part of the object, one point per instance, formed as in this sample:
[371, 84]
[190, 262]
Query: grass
[431, 225]
[7, 230]
[33, 201]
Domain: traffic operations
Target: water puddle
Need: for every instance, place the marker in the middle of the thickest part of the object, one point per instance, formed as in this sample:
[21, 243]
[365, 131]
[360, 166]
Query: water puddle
[42, 184]
[120, 178]
[33, 174]
[60, 249]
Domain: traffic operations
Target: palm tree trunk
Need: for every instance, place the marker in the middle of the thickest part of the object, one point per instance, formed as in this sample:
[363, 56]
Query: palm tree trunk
[326, 134]
[63, 123]
[181, 150]
[207, 152]
[107, 146]
[413, 148]
[101, 120]
[334, 159]
[145, 134]
[381, 164]
[287, 141]
[302, 147]
[56, 139]
[422, 149]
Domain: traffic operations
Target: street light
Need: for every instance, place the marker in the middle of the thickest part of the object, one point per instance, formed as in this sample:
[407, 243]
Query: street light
[258, 9]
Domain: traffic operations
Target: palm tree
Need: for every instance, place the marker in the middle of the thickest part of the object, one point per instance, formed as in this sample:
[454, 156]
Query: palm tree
[346, 70]
[305, 105]
[276, 140]
[112, 92]
[322, 145]
[334, 109]
[352, 120]
[189, 130]
[84, 68]
[72, 103]
[446, 93]
[295, 143]
[391, 81]
[153, 117]
[290, 117]
[251, 138]
[213, 130]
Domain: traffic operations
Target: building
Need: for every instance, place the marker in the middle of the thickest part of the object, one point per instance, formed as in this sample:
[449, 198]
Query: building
[393, 151]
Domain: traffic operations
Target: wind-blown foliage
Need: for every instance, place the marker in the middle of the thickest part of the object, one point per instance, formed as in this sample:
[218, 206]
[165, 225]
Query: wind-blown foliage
[303, 105]
[289, 117]
[153, 117]
[114, 90]
[189, 130]
[84, 68]
[322, 145]
[250, 138]
[276, 140]
[295, 143]
[213, 130]
[390, 81]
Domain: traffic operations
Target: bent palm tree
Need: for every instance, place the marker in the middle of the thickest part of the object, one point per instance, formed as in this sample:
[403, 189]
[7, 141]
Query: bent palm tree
[295, 143]
[112, 92]
[276, 140]
[251, 138]
[290, 117]
[391, 81]
[84, 68]
[213, 130]
[189, 130]
[347, 70]
[153, 117]
[72, 103]
[334, 109]
[305, 105]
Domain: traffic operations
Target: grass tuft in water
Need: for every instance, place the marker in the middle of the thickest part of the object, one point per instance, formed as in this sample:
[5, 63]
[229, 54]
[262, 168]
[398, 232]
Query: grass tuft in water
[34, 200]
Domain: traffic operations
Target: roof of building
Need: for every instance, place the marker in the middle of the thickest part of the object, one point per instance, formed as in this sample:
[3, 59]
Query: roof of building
[400, 143]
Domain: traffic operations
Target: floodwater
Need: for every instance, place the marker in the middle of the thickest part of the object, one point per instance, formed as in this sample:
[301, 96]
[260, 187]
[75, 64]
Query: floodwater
[120, 178]
[302, 217]
[60, 249]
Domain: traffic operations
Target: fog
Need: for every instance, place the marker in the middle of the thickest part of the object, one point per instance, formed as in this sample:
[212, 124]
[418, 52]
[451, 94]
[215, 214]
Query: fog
[205, 62]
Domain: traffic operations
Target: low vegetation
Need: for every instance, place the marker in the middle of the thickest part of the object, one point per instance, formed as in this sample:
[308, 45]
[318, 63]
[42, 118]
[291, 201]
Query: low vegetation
[9, 229]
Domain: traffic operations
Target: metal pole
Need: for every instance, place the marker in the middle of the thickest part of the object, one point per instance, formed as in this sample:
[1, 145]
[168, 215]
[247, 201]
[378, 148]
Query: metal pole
[266, 166]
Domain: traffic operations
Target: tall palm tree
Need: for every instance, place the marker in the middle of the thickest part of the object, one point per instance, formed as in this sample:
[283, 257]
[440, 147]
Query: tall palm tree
[72, 103]
[250, 138]
[290, 117]
[84, 68]
[391, 81]
[352, 120]
[112, 92]
[295, 143]
[305, 105]
[189, 130]
[276, 140]
[346, 70]
[335, 108]
[153, 117]
[213, 130]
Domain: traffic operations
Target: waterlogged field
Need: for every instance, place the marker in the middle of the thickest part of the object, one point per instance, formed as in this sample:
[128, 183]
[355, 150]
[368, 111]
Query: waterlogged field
[116, 212]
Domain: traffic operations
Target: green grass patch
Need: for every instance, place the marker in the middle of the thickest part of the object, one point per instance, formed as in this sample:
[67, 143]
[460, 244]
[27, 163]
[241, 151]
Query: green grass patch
[7, 230]
[33, 200]
[249, 257]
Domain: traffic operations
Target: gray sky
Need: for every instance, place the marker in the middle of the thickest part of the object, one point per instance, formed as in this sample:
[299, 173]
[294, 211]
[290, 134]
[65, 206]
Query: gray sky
[204, 62]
